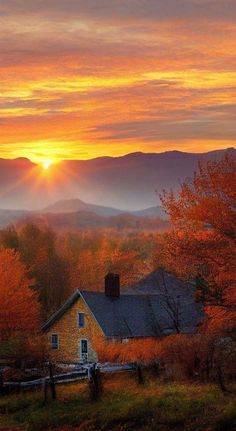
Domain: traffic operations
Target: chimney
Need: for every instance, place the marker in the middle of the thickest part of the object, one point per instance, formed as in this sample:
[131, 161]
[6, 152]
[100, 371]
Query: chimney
[112, 285]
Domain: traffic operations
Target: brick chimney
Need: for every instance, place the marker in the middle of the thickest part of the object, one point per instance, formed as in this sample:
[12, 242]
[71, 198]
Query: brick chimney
[112, 285]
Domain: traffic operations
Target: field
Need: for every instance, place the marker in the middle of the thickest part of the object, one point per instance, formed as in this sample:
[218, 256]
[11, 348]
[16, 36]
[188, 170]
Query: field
[124, 406]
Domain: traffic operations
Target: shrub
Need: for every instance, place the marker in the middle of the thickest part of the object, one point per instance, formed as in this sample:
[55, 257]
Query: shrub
[227, 421]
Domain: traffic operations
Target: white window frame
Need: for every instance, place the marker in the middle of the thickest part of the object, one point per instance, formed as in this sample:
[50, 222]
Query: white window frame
[58, 343]
[80, 349]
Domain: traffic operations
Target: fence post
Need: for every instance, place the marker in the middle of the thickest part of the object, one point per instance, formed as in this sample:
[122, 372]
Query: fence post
[95, 383]
[45, 391]
[52, 382]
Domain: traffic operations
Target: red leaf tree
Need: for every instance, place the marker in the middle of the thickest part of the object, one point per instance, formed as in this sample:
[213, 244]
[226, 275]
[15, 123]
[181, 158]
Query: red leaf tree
[202, 243]
[19, 310]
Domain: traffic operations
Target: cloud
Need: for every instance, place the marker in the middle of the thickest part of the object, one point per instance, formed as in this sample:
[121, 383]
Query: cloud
[114, 10]
[105, 76]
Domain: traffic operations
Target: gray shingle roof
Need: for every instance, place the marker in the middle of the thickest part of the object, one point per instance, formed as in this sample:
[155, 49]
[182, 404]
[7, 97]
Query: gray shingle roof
[141, 315]
[170, 304]
[160, 281]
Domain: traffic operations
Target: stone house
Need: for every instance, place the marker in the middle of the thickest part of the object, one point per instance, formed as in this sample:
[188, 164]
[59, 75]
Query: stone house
[88, 315]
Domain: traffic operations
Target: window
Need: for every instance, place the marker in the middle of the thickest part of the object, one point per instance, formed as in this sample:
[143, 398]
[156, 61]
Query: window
[55, 341]
[81, 320]
[84, 350]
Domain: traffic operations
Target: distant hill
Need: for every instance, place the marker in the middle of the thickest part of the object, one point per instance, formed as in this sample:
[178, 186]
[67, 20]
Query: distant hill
[150, 212]
[11, 217]
[129, 182]
[76, 214]
[90, 220]
[75, 205]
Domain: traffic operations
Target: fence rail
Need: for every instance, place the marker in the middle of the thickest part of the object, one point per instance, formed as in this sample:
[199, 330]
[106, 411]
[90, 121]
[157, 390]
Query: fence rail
[69, 377]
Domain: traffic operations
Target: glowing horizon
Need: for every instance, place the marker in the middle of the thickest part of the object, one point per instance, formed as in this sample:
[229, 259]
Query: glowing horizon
[46, 164]
[80, 81]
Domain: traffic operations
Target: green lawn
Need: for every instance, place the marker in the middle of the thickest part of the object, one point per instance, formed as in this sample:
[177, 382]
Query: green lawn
[124, 406]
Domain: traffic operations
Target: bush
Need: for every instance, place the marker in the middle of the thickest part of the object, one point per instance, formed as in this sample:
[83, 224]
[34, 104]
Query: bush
[18, 375]
[14, 375]
[227, 421]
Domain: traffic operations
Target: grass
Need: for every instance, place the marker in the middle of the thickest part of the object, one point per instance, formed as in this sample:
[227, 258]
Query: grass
[227, 420]
[124, 406]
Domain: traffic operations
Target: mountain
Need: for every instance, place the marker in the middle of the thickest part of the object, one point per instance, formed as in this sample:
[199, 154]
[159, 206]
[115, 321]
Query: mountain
[151, 212]
[77, 205]
[129, 182]
[76, 214]
[17, 184]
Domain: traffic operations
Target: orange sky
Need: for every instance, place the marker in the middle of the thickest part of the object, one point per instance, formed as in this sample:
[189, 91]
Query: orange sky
[80, 79]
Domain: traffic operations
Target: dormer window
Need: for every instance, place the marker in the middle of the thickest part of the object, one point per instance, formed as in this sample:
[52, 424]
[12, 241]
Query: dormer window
[81, 320]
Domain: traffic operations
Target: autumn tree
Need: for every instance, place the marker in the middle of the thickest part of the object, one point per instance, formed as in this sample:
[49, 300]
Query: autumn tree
[39, 252]
[9, 238]
[89, 255]
[202, 243]
[19, 310]
[62, 262]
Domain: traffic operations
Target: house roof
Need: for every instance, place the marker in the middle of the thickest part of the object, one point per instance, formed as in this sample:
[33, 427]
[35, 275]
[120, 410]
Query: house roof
[142, 315]
[138, 314]
[159, 282]
[59, 313]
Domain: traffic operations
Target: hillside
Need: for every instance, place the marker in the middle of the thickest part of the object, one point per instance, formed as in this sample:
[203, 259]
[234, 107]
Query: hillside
[91, 220]
[129, 182]
[76, 214]
[75, 205]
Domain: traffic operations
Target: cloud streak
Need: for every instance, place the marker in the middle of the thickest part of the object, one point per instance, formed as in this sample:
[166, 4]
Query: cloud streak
[113, 76]
[122, 9]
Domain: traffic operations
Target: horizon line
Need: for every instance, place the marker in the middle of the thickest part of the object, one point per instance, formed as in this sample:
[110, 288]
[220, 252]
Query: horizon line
[54, 162]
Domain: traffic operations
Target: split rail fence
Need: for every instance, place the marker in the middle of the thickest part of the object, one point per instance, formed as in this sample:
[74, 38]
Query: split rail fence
[82, 373]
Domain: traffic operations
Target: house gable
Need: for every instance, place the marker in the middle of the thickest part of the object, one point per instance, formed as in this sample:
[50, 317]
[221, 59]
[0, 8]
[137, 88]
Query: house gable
[65, 325]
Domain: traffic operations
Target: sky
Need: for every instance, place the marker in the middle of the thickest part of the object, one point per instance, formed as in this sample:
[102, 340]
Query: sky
[82, 79]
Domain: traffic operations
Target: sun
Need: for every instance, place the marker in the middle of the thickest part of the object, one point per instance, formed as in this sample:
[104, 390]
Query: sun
[47, 164]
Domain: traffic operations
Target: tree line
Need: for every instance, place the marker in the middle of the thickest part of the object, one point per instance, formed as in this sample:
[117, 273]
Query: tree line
[40, 268]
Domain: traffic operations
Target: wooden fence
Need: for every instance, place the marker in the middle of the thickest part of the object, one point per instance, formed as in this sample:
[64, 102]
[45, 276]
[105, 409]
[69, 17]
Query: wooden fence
[82, 373]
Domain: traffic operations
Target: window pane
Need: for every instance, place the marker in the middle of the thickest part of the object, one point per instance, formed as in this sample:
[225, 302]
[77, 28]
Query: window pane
[84, 346]
[54, 341]
[81, 320]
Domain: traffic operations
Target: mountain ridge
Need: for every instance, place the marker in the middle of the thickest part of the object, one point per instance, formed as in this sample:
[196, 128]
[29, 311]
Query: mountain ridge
[76, 209]
[133, 153]
[77, 205]
[130, 182]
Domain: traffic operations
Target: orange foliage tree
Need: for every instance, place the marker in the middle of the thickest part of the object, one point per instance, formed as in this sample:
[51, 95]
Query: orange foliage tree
[202, 243]
[61, 262]
[19, 310]
[92, 254]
